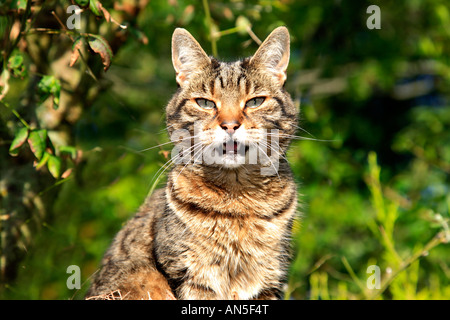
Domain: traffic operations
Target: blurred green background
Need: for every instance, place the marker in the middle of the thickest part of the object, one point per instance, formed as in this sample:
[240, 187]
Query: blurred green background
[372, 167]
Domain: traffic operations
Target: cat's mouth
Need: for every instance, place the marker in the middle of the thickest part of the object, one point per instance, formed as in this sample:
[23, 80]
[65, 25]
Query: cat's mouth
[234, 148]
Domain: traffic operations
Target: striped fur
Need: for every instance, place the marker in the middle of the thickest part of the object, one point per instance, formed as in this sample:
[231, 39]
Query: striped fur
[215, 231]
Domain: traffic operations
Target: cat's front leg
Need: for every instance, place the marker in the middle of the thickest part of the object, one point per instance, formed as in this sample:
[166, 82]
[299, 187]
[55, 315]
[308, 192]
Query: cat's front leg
[141, 284]
[191, 290]
[147, 285]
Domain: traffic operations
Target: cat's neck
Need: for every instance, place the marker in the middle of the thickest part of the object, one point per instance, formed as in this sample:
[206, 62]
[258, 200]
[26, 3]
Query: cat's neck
[236, 193]
[238, 180]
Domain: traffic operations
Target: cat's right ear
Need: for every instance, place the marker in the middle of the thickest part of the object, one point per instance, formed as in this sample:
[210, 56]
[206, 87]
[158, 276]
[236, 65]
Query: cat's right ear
[273, 54]
[188, 57]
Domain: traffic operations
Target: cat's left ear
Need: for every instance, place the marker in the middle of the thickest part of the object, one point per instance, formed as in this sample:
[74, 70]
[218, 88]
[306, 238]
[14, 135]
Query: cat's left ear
[188, 57]
[273, 54]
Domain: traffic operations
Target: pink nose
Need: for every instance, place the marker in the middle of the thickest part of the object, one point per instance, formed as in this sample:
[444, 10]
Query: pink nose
[230, 127]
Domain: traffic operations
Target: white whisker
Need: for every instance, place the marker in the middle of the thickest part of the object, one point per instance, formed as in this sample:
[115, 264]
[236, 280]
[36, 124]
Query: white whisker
[266, 145]
[169, 142]
[199, 145]
[167, 165]
[267, 158]
[297, 137]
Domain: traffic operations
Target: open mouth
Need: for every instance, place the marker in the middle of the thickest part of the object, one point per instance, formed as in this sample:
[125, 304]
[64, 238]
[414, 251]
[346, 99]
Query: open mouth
[234, 148]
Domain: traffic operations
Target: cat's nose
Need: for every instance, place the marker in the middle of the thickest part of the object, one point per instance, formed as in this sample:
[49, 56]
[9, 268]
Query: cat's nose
[230, 127]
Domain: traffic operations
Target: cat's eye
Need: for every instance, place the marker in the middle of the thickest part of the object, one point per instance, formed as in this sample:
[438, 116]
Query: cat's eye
[255, 102]
[205, 103]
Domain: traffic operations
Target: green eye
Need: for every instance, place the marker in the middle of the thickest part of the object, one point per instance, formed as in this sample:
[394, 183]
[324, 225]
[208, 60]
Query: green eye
[205, 104]
[255, 102]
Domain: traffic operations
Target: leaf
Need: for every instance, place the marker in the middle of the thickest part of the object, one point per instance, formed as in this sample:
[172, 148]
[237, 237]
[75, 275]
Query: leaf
[67, 173]
[70, 150]
[18, 4]
[98, 9]
[15, 64]
[19, 139]
[82, 3]
[15, 61]
[93, 5]
[76, 47]
[4, 78]
[37, 141]
[43, 161]
[49, 85]
[242, 23]
[54, 166]
[99, 45]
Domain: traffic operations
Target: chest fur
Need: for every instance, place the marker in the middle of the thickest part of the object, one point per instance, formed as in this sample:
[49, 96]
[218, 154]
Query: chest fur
[217, 244]
[230, 256]
[235, 257]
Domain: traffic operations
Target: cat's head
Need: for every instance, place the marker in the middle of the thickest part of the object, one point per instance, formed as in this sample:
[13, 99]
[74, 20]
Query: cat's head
[234, 111]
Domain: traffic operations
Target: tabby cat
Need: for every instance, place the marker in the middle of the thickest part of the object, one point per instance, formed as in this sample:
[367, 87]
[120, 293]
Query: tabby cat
[219, 229]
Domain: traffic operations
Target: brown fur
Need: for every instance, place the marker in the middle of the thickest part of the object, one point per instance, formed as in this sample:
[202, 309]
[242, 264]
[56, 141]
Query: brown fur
[215, 231]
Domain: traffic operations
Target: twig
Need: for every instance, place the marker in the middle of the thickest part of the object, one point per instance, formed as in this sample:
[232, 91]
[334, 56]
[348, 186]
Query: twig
[209, 22]
[63, 26]
[57, 183]
[23, 24]
[18, 116]
[437, 240]
[253, 36]
[353, 274]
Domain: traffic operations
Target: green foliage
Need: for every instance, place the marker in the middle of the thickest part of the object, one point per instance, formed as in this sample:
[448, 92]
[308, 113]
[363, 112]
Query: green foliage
[15, 64]
[80, 111]
[19, 139]
[37, 141]
[50, 86]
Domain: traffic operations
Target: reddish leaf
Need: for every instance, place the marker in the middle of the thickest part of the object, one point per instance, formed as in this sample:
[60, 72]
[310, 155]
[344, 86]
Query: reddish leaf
[37, 141]
[76, 47]
[67, 173]
[19, 139]
[99, 45]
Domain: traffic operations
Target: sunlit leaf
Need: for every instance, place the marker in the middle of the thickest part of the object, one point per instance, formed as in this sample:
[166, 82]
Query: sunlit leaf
[93, 5]
[49, 85]
[19, 139]
[54, 166]
[66, 173]
[18, 4]
[76, 47]
[242, 23]
[37, 141]
[15, 64]
[15, 61]
[43, 161]
[4, 83]
[72, 151]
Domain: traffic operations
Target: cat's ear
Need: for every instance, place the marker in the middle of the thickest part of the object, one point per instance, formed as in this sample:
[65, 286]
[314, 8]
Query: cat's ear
[188, 57]
[273, 54]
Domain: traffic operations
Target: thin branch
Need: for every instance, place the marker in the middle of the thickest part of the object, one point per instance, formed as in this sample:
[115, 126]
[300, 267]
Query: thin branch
[210, 26]
[253, 36]
[18, 116]
[353, 274]
[437, 240]
[23, 24]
